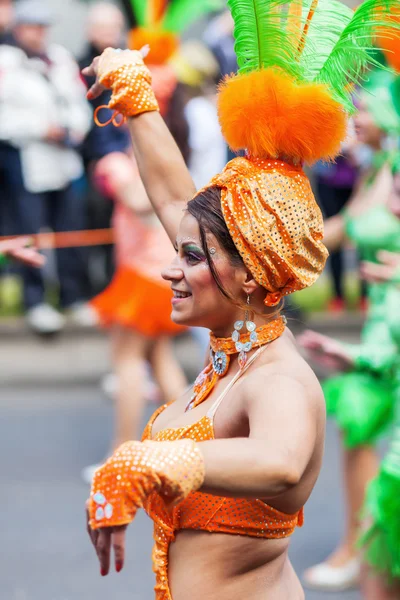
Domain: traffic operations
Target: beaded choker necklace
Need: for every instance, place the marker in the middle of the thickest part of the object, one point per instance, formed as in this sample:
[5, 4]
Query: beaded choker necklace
[221, 351]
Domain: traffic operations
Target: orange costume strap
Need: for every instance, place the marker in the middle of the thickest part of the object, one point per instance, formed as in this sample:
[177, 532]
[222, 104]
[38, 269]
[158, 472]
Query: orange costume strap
[223, 348]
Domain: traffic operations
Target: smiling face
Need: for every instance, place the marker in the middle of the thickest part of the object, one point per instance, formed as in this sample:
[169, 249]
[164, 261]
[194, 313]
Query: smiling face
[197, 299]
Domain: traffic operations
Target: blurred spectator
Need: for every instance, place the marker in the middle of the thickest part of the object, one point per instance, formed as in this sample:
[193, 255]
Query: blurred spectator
[44, 116]
[105, 28]
[6, 15]
[335, 183]
[198, 71]
[219, 38]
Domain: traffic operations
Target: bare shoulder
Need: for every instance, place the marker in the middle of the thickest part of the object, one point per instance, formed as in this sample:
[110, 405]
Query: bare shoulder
[282, 368]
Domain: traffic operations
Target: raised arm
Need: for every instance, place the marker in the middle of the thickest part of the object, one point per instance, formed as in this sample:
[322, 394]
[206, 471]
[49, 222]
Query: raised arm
[334, 232]
[165, 176]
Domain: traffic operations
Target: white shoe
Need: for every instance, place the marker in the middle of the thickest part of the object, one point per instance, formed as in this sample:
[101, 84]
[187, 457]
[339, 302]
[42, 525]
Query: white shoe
[110, 388]
[109, 385]
[82, 314]
[87, 473]
[43, 318]
[326, 578]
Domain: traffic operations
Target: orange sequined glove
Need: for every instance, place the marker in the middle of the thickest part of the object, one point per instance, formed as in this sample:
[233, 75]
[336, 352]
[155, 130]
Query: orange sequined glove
[125, 73]
[136, 469]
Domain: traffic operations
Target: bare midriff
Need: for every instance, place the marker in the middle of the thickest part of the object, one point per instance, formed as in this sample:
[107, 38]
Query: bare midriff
[217, 566]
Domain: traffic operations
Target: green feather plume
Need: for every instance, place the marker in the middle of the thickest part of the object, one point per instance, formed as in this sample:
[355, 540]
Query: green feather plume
[326, 42]
[324, 29]
[351, 54]
[261, 38]
[139, 9]
[179, 14]
[381, 541]
[182, 13]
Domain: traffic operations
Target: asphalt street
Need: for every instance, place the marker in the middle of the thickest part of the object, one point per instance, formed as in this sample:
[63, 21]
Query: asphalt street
[50, 428]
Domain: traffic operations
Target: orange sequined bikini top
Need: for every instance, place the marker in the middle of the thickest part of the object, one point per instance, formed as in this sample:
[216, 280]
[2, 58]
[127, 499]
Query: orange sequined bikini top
[206, 512]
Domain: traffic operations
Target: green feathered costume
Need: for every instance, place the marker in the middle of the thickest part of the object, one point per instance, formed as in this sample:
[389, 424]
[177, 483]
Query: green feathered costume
[362, 401]
[381, 541]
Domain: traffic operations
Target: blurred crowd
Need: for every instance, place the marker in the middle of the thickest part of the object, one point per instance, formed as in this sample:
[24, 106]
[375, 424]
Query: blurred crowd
[50, 146]
[50, 149]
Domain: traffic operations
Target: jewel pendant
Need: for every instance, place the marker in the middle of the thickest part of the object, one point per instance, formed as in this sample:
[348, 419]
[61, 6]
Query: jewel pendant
[242, 360]
[220, 362]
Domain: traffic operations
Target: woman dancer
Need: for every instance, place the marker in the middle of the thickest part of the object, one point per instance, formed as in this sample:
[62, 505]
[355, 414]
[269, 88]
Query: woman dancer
[254, 235]
[362, 400]
[381, 541]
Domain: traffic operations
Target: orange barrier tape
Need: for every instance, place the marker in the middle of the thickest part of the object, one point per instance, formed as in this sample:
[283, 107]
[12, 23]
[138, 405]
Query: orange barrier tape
[68, 239]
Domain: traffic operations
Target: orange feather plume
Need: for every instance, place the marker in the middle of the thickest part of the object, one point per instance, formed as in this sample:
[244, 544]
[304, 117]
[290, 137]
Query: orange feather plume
[271, 116]
[389, 41]
[163, 44]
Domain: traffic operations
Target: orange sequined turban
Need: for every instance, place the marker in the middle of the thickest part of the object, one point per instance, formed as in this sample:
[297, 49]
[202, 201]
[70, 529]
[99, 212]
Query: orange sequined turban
[288, 105]
[267, 201]
[275, 223]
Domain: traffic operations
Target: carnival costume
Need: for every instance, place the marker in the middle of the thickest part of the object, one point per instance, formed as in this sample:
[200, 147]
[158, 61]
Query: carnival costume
[286, 106]
[137, 297]
[381, 541]
[362, 400]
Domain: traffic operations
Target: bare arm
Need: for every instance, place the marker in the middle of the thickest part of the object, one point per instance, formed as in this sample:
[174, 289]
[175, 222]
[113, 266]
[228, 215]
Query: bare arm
[162, 168]
[281, 443]
[165, 176]
[283, 432]
[334, 232]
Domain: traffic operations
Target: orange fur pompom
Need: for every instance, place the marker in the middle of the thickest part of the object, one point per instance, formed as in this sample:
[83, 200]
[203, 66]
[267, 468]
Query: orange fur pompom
[163, 44]
[271, 116]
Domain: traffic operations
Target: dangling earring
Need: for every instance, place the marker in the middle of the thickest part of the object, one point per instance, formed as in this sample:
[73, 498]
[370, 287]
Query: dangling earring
[244, 347]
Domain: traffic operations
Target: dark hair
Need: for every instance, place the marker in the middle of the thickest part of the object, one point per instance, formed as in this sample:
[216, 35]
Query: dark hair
[177, 123]
[206, 209]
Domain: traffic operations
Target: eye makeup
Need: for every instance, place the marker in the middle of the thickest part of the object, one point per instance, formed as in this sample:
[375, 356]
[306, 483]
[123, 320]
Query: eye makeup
[193, 252]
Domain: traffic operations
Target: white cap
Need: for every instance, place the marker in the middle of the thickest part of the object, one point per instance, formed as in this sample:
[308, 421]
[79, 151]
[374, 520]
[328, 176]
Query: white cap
[32, 12]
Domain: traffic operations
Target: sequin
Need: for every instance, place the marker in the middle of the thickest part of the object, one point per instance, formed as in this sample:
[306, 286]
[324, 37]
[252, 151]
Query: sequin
[275, 223]
[99, 514]
[173, 470]
[130, 81]
[99, 498]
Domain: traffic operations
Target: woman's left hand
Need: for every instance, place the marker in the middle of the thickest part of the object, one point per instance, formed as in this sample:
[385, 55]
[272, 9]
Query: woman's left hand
[383, 272]
[19, 250]
[103, 541]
